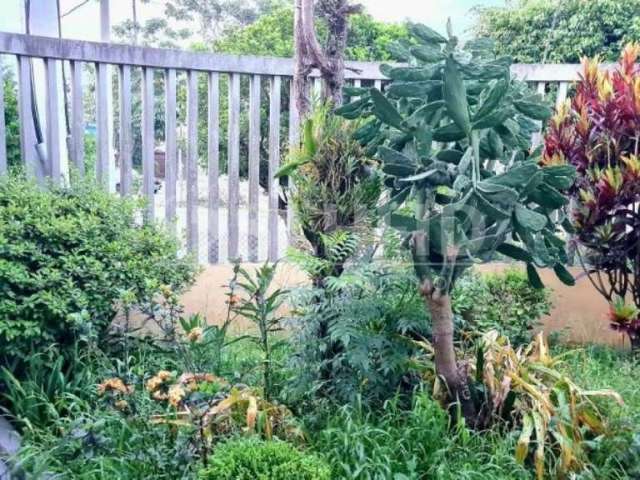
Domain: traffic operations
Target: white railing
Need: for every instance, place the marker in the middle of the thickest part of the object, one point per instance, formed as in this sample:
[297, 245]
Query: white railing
[219, 244]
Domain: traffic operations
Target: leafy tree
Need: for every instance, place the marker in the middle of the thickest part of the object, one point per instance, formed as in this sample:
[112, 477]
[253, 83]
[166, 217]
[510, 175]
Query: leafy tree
[272, 35]
[560, 30]
[12, 124]
[597, 132]
[480, 191]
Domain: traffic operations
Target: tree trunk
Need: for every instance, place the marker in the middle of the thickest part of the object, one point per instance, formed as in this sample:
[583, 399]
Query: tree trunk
[309, 54]
[439, 306]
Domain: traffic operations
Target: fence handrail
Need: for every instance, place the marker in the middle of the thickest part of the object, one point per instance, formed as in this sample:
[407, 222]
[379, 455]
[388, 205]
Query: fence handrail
[120, 54]
[161, 58]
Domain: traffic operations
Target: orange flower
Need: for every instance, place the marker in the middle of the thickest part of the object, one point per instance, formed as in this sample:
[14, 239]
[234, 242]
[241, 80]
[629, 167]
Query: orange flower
[115, 385]
[176, 395]
[157, 381]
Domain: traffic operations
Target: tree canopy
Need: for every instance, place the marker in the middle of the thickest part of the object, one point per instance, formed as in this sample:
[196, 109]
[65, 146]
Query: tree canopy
[272, 35]
[565, 29]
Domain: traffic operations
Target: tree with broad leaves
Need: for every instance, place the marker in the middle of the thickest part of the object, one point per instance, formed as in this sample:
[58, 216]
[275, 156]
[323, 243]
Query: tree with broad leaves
[452, 131]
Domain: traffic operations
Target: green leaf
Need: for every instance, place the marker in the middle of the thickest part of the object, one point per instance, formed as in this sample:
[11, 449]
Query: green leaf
[450, 156]
[548, 197]
[529, 219]
[395, 202]
[290, 167]
[412, 74]
[420, 176]
[515, 252]
[426, 34]
[534, 110]
[516, 177]
[384, 110]
[353, 109]
[427, 53]
[390, 155]
[534, 278]
[493, 119]
[498, 193]
[455, 96]
[403, 222]
[309, 142]
[413, 89]
[491, 99]
[486, 207]
[449, 133]
[564, 275]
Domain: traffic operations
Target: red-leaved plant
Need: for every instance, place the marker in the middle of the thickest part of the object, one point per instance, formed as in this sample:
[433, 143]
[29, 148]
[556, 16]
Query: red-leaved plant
[598, 131]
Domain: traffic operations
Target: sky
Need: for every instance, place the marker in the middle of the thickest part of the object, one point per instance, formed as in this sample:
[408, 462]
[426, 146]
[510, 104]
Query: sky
[84, 23]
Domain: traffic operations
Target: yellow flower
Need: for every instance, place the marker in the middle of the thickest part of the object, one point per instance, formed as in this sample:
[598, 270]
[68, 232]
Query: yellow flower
[122, 405]
[195, 335]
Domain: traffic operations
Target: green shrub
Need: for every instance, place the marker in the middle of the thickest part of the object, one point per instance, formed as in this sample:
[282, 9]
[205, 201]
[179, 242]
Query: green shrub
[503, 301]
[254, 459]
[374, 312]
[67, 255]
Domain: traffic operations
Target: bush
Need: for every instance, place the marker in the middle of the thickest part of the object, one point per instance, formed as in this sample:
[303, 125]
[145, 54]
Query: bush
[503, 301]
[373, 313]
[67, 255]
[253, 459]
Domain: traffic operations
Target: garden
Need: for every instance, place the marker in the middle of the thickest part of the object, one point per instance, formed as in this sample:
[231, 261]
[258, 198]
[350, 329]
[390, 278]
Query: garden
[399, 356]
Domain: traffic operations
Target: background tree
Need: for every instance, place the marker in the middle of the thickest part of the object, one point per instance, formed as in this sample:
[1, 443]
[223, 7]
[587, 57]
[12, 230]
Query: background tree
[12, 124]
[598, 132]
[565, 29]
[479, 192]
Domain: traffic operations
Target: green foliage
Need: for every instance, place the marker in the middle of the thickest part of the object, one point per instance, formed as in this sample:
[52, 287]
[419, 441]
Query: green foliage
[272, 35]
[504, 301]
[417, 443]
[260, 305]
[336, 190]
[480, 188]
[371, 312]
[11, 120]
[252, 459]
[67, 255]
[565, 29]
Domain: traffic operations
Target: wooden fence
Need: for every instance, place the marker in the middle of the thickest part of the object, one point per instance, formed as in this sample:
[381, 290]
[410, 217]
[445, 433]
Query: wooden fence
[276, 72]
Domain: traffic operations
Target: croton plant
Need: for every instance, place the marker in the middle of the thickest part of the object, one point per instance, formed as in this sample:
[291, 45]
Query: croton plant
[598, 132]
